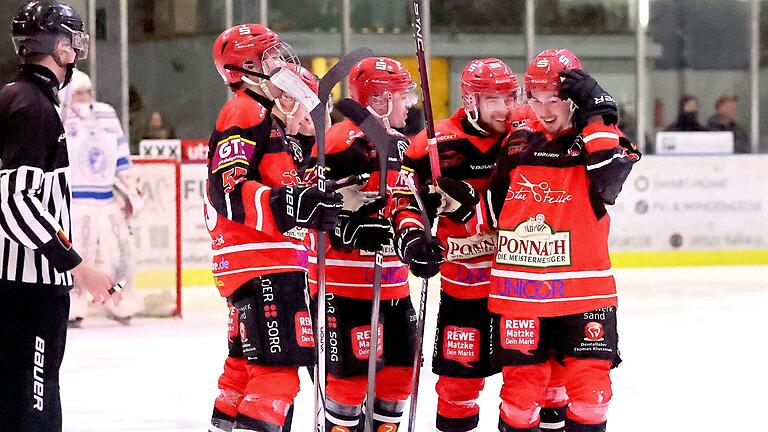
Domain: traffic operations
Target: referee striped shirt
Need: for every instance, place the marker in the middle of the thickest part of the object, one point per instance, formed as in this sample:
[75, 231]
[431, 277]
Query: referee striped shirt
[35, 228]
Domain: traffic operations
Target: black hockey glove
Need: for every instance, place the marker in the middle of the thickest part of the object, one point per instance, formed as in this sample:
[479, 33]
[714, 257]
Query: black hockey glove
[424, 257]
[453, 198]
[588, 96]
[304, 207]
[459, 199]
[359, 231]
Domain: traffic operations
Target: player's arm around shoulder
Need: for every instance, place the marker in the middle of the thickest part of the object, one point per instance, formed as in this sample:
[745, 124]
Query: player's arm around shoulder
[609, 158]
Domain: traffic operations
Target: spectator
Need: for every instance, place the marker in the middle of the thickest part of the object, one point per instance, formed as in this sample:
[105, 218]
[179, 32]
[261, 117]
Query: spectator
[157, 127]
[687, 118]
[136, 116]
[724, 119]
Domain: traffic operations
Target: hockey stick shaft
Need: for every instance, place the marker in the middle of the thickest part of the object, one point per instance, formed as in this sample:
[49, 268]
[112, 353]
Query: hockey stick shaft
[434, 164]
[373, 349]
[384, 143]
[338, 72]
[418, 38]
[422, 314]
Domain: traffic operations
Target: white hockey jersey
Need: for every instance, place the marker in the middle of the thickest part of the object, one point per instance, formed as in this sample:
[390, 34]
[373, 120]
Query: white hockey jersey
[97, 149]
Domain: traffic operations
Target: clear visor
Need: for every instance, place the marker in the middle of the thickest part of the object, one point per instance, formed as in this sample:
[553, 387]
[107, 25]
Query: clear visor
[278, 56]
[80, 42]
[408, 95]
[411, 97]
[508, 100]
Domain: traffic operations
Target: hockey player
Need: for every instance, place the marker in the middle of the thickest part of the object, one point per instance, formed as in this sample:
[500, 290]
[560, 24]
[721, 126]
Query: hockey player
[299, 129]
[101, 169]
[252, 201]
[551, 282]
[385, 87]
[468, 143]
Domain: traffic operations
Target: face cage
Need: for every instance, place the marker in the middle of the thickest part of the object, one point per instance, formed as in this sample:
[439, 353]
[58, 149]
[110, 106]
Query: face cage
[278, 56]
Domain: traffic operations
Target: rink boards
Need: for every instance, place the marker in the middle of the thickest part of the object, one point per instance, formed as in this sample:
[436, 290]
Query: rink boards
[673, 211]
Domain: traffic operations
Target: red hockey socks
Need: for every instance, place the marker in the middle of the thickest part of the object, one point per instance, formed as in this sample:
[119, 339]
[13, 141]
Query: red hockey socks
[457, 409]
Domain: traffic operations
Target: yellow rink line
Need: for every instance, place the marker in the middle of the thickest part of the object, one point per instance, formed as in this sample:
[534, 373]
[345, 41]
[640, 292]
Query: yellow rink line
[202, 276]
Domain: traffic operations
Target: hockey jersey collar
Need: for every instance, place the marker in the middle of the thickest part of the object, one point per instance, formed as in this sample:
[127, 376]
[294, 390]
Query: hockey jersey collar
[44, 78]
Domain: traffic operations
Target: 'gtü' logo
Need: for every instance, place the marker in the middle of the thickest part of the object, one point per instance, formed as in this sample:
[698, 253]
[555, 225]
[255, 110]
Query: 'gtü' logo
[37, 373]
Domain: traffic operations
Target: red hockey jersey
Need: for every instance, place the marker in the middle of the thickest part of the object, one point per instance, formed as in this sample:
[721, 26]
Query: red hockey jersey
[248, 155]
[547, 198]
[348, 152]
[464, 155]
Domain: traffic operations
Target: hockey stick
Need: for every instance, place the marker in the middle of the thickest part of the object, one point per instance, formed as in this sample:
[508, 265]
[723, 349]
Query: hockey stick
[383, 142]
[418, 38]
[434, 164]
[334, 76]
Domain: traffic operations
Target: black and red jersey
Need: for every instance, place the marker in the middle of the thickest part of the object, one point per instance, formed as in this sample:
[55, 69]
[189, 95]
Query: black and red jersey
[547, 198]
[248, 156]
[351, 274]
[465, 155]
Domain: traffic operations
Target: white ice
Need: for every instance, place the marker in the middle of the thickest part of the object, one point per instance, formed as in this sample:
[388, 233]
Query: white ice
[693, 342]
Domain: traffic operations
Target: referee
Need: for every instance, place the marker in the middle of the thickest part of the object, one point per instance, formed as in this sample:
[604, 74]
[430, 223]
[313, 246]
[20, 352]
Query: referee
[37, 261]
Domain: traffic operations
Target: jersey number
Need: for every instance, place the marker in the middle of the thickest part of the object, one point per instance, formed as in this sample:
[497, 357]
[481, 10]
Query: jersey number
[231, 177]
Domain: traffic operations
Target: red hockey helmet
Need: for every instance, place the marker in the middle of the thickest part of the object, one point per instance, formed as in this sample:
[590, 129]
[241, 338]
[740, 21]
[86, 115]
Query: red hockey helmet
[249, 47]
[544, 71]
[488, 75]
[377, 76]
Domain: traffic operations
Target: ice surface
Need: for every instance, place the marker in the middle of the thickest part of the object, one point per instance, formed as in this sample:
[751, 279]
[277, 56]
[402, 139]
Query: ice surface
[693, 342]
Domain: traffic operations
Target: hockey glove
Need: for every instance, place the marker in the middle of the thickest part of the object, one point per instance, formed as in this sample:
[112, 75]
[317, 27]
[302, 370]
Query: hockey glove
[453, 198]
[588, 96]
[359, 231]
[350, 189]
[423, 256]
[304, 207]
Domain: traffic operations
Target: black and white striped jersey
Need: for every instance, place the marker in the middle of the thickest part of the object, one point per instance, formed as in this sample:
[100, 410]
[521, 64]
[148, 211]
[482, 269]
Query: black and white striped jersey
[35, 196]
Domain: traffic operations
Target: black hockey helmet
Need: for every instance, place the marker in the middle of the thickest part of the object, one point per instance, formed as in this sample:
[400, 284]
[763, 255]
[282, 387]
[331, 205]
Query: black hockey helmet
[38, 26]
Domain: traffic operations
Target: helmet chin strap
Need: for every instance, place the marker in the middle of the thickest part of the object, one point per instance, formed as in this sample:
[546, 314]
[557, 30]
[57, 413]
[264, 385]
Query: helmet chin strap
[291, 125]
[473, 116]
[384, 117]
[261, 85]
[68, 67]
[573, 108]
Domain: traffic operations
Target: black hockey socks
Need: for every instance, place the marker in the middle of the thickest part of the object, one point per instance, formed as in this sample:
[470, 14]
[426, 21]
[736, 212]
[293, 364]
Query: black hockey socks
[574, 426]
[553, 419]
[248, 424]
[338, 414]
[221, 422]
[504, 427]
[463, 424]
[387, 415]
